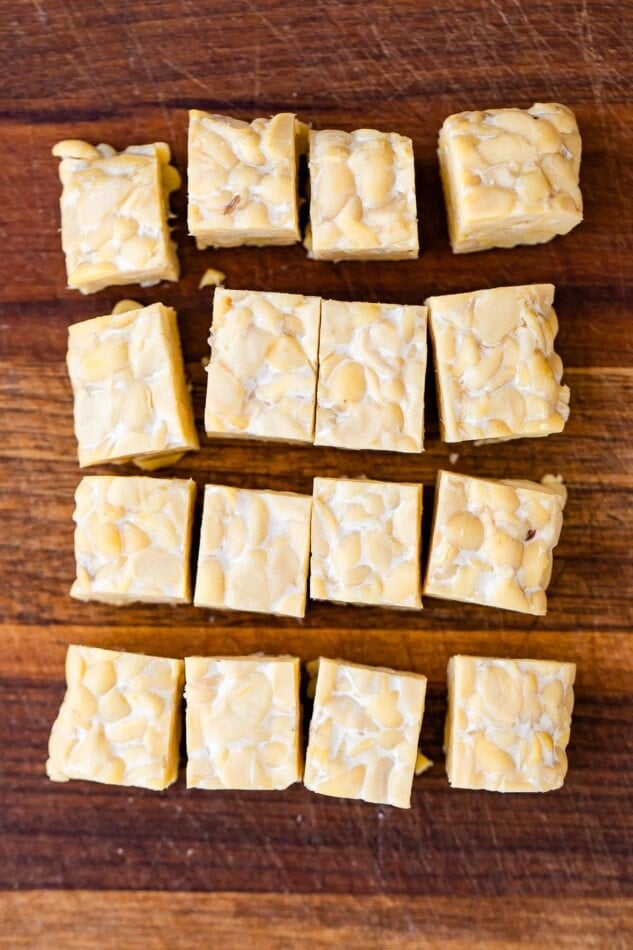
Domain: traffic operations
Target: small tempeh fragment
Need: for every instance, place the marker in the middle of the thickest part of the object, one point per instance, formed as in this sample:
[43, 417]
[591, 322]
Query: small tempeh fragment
[508, 723]
[119, 722]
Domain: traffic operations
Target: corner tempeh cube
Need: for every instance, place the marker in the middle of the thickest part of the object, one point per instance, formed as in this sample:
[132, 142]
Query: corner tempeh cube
[508, 723]
[243, 722]
[119, 722]
[128, 379]
[362, 202]
[243, 180]
[262, 374]
[492, 542]
[366, 541]
[372, 363]
[364, 733]
[114, 208]
[254, 551]
[133, 539]
[510, 176]
[498, 375]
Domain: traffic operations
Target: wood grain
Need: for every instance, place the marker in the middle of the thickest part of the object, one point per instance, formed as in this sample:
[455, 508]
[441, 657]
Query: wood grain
[86, 866]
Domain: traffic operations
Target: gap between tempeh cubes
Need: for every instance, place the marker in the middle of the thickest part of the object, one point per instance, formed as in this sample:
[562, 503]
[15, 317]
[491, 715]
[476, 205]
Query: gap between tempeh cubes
[510, 176]
[507, 725]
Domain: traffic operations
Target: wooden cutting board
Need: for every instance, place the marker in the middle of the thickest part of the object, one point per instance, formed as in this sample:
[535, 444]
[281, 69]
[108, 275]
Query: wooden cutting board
[85, 865]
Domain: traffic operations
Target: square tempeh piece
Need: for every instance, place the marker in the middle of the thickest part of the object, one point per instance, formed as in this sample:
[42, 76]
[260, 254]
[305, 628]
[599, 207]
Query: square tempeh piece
[366, 540]
[262, 374]
[128, 379]
[114, 208]
[362, 202]
[498, 375]
[243, 180]
[133, 539]
[119, 722]
[510, 176]
[508, 723]
[492, 542]
[372, 361]
[243, 722]
[254, 551]
[364, 733]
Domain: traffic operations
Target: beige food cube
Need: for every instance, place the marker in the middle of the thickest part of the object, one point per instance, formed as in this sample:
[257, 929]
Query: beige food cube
[366, 541]
[119, 722]
[510, 176]
[243, 722]
[262, 374]
[133, 539]
[114, 208]
[508, 723]
[498, 375]
[362, 203]
[243, 180]
[254, 551]
[364, 733]
[129, 386]
[372, 362]
[492, 542]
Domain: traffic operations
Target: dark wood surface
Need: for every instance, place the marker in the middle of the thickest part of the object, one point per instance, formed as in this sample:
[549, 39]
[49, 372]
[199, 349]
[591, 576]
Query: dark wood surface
[86, 865]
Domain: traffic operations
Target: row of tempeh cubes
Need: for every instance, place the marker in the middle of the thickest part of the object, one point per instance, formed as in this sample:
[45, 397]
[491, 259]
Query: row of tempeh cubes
[360, 540]
[303, 369]
[510, 177]
[507, 726]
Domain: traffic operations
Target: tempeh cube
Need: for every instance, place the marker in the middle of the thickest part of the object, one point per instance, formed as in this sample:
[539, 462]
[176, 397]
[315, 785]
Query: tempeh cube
[492, 542]
[243, 722]
[364, 733]
[498, 375]
[114, 208]
[119, 722]
[243, 180]
[508, 723]
[262, 374]
[372, 362]
[366, 541]
[254, 551]
[362, 202]
[133, 539]
[510, 176]
[128, 379]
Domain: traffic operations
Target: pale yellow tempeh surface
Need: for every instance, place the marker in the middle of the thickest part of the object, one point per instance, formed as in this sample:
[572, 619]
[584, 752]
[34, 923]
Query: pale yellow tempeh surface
[364, 733]
[119, 722]
[492, 542]
[243, 722]
[133, 539]
[510, 176]
[130, 393]
[114, 210]
[508, 723]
